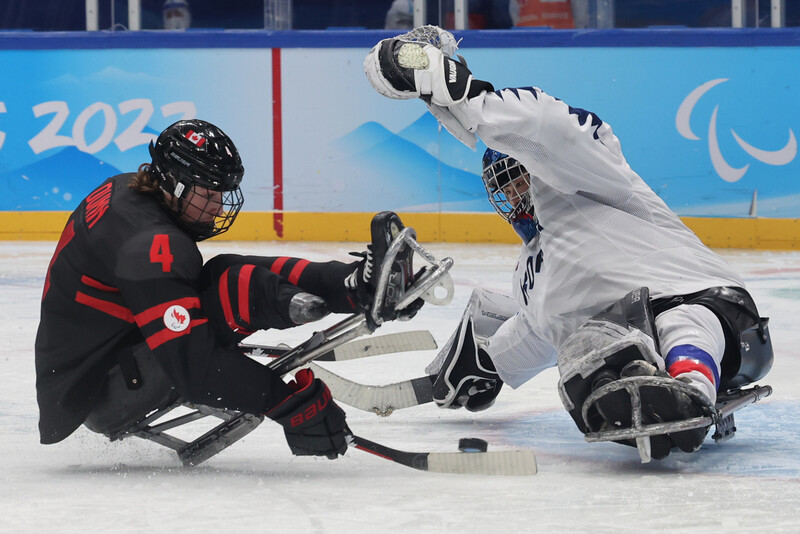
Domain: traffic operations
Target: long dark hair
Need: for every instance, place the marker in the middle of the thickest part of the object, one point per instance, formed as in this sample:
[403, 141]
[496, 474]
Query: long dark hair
[144, 181]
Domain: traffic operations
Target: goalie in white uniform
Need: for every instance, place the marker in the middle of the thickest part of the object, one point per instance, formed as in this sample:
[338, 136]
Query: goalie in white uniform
[609, 283]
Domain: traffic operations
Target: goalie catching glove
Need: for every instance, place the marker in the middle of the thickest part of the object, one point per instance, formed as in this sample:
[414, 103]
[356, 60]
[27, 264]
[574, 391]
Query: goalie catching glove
[402, 69]
[314, 425]
[418, 64]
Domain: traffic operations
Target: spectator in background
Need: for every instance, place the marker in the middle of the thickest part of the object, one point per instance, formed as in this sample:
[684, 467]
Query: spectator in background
[400, 15]
[176, 15]
[483, 14]
[557, 14]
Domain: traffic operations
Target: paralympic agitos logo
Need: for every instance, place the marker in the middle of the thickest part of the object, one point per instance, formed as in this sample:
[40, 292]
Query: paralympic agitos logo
[723, 168]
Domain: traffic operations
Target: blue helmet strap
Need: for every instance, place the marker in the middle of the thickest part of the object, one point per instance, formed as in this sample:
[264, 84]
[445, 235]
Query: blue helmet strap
[526, 226]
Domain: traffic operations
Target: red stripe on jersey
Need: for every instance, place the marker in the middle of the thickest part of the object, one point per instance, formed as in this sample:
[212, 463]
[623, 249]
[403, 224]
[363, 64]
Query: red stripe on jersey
[298, 269]
[157, 312]
[115, 310]
[225, 300]
[91, 282]
[245, 273]
[66, 237]
[278, 265]
[684, 366]
[158, 339]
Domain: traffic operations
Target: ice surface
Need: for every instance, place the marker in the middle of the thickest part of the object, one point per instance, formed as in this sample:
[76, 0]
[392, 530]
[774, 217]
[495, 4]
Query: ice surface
[87, 484]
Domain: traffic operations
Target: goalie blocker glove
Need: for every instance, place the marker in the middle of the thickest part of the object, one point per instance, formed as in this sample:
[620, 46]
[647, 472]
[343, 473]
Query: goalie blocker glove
[313, 423]
[467, 377]
[402, 70]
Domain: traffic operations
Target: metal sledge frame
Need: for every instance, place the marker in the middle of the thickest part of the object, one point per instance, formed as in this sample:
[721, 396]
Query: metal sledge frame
[237, 425]
[720, 415]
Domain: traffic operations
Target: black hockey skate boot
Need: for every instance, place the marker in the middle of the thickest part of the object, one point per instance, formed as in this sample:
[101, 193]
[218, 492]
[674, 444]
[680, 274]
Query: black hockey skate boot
[615, 408]
[385, 227]
[467, 377]
[663, 405]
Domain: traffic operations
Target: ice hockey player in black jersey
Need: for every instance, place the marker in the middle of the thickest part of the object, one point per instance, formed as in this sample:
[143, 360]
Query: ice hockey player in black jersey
[132, 320]
[610, 285]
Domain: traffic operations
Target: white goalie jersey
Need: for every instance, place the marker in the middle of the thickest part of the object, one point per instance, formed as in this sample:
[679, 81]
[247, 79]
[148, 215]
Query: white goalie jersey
[604, 232]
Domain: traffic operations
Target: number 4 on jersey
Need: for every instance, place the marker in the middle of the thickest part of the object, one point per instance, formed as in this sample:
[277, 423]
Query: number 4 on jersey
[159, 252]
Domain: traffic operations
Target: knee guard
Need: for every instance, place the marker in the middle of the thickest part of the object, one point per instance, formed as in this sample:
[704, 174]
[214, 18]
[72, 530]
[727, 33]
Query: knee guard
[622, 333]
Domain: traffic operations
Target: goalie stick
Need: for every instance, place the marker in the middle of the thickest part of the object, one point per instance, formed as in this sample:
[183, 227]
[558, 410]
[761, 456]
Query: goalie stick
[360, 348]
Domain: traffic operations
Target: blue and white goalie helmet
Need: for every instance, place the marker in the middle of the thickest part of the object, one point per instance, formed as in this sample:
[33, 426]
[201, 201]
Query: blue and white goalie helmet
[507, 183]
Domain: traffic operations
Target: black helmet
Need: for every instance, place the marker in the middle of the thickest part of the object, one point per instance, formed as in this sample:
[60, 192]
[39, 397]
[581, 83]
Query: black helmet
[200, 170]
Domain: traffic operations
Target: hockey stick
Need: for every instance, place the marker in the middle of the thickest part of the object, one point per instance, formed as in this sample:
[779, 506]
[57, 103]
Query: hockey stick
[518, 462]
[514, 462]
[235, 424]
[380, 400]
[360, 348]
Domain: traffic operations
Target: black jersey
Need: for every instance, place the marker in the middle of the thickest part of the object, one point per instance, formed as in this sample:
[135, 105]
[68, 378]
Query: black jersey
[124, 273]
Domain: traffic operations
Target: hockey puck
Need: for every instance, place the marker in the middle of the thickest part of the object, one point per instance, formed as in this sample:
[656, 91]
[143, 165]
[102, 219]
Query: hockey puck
[472, 445]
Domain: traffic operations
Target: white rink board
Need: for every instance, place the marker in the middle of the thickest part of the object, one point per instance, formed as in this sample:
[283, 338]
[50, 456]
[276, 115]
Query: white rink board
[86, 484]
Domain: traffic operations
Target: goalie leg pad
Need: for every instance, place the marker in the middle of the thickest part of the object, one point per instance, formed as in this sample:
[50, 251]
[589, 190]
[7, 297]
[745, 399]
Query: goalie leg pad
[621, 334]
[487, 311]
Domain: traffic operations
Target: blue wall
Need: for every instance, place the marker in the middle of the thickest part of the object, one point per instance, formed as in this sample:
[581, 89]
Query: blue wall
[707, 117]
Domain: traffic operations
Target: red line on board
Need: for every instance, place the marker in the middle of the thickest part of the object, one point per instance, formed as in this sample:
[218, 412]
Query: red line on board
[277, 144]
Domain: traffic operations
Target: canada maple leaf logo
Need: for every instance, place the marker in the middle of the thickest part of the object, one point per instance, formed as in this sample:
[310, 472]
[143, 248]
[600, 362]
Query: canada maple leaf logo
[195, 138]
[176, 318]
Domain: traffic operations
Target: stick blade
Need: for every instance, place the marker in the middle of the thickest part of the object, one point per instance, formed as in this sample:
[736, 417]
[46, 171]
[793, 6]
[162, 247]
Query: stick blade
[506, 463]
[381, 400]
[385, 344]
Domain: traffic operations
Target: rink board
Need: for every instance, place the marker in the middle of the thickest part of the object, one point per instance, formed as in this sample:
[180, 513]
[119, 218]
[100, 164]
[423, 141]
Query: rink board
[755, 233]
[708, 118]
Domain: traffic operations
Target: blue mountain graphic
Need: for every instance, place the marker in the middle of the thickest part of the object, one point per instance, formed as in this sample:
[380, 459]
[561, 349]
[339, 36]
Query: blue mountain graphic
[129, 159]
[386, 171]
[425, 133]
[58, 182]
[362, 138]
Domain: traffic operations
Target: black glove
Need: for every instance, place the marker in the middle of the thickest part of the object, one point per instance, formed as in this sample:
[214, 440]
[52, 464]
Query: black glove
[313, 423]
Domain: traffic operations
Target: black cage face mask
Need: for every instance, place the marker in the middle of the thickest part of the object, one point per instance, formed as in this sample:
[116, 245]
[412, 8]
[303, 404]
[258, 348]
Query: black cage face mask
[199, 167]
[507, 183]
[205, 213]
